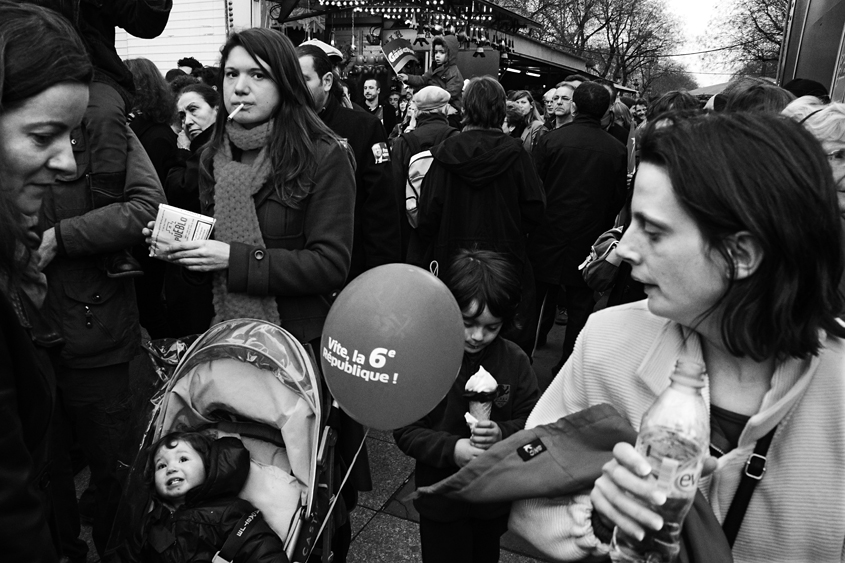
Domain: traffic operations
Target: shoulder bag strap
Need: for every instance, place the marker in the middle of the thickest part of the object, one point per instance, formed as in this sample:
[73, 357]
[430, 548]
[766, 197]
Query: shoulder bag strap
[236, 539]
[755, 469]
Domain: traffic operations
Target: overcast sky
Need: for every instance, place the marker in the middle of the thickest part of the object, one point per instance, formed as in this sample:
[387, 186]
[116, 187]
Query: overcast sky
[695, 16]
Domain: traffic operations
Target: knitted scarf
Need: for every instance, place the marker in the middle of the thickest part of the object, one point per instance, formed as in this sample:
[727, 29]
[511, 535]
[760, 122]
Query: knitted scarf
[234, 208]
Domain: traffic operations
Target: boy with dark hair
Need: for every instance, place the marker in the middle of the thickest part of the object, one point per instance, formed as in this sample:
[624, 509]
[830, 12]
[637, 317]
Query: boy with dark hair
[486, 286]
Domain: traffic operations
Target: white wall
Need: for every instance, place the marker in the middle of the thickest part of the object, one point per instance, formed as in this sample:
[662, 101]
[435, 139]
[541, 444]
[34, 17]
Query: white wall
[196, 28]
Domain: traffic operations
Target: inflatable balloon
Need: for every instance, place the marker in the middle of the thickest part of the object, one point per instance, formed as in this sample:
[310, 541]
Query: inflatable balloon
[392, 345]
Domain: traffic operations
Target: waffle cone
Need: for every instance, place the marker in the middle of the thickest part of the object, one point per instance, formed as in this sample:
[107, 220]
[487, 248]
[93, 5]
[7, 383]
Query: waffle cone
[481, 409]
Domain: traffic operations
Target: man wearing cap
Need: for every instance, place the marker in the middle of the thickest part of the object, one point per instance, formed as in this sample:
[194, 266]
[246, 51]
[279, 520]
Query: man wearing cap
[376, 237]
[432, 106]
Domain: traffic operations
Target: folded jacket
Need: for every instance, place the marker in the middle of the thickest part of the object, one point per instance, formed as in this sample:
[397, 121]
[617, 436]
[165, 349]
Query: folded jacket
[564, 458]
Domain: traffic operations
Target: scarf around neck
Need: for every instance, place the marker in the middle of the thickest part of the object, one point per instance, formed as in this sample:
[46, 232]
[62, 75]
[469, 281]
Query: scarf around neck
[235, 184]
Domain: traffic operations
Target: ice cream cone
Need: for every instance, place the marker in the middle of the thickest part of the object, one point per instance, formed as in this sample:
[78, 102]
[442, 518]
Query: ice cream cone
[481, 409]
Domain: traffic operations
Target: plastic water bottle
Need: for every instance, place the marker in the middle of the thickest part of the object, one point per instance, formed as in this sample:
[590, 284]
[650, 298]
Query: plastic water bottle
[674, 437]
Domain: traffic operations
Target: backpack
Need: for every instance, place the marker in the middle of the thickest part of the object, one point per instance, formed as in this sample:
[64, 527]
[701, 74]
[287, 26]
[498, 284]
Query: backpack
[417, 169]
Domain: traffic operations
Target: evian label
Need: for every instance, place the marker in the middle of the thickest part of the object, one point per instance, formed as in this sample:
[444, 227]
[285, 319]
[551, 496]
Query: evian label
[675, 461]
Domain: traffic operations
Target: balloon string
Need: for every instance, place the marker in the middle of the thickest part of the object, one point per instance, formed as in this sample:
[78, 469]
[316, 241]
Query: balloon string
[434, 268]
[342, 483]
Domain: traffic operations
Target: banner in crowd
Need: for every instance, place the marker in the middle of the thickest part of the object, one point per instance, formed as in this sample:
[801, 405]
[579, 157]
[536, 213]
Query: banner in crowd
[398, 53]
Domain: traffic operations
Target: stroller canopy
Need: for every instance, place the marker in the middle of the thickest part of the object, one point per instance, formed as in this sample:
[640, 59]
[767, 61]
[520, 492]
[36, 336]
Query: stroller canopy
[253, 378]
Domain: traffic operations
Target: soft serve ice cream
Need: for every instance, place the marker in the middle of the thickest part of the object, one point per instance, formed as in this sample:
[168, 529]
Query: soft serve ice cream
[481, 390]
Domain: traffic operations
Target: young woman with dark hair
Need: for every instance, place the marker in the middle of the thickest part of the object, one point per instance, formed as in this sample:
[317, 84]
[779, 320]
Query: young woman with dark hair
[44, 77]
[529, 126]
[736, 237]
[281, 187]
[153, 97]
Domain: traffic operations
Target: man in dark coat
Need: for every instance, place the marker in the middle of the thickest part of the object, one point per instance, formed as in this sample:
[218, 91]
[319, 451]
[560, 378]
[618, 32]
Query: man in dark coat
[583, 169]
[432, 128]
[376, 238]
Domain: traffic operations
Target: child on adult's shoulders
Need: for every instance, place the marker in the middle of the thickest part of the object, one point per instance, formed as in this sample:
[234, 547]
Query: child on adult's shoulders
[444, 70]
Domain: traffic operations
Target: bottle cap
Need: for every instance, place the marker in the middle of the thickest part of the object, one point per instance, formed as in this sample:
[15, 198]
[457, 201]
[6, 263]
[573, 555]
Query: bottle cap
[688, 373]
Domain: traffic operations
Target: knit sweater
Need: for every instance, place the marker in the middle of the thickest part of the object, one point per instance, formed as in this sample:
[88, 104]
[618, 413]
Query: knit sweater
[797, 512]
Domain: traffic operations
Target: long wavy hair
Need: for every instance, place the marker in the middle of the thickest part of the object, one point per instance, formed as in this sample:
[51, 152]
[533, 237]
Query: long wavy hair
[533, 114]
[38, 49]
[766, 175]
[153, 97]
[296, 127]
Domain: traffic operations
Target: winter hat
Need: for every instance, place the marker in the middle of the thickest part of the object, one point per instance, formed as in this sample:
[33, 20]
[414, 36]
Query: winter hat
[431, 98]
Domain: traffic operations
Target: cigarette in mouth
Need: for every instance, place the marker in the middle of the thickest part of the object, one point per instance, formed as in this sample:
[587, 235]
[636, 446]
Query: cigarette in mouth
[235, 111]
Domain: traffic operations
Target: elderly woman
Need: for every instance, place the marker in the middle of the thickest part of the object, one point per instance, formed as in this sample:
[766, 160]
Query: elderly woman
[827, 124]
[44, 74]
[736, 238]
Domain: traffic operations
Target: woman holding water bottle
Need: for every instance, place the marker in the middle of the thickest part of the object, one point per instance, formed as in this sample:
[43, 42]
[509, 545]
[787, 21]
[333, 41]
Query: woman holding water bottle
[736, 238]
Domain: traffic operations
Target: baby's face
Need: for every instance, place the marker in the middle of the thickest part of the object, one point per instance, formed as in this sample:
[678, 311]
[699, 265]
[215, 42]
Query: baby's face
[177, 470]
[439, 54]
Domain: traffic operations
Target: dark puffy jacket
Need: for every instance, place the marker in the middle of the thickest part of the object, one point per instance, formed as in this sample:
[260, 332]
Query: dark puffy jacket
[198, 529]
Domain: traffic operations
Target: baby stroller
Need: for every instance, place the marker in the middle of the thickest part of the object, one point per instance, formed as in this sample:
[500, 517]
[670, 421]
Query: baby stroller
[253, 380]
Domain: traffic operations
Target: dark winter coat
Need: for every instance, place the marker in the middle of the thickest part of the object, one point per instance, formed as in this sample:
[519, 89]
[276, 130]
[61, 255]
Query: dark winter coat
[583, 169]
[96, 315]
[197, 530]
[182, 182]
[27, 395]
[481, 191]
[432, 439]
[376, 239]
[189, 298]
[308, 249]
[432, 128]
[446, 76]
[159, 141]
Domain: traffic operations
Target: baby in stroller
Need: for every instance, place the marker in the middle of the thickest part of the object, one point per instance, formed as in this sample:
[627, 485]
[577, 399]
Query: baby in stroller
[196, 514]
[252, 394]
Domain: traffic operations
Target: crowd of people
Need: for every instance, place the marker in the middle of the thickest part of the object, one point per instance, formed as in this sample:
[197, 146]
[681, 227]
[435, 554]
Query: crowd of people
[728, 252]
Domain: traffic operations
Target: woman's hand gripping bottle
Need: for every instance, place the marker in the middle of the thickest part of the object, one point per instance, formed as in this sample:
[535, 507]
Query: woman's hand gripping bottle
[674, 437]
